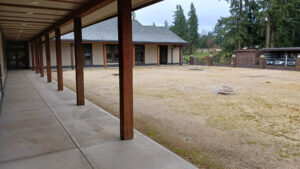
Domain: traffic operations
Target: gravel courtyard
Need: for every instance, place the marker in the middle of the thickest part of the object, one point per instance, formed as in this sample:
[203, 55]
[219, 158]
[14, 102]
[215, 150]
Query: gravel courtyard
[258, 126]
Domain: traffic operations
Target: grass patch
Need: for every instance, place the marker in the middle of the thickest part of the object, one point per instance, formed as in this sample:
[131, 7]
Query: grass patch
[196, 157]
[199, 55]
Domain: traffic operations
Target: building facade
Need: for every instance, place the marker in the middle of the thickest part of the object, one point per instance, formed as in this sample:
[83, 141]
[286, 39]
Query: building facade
[152, 46]
[95, 53]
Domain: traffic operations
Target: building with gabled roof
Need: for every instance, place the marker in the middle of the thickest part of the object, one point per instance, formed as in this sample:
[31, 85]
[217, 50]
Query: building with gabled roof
[153, 45]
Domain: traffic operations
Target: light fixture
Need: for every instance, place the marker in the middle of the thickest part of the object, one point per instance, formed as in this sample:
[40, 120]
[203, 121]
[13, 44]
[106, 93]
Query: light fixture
[34, 2]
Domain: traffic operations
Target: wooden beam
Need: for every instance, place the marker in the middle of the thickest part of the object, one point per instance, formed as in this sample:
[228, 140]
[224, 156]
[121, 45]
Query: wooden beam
[36, 57]
[125, 68]
[79, 61]
[180, 55]
[58, 60]
[72, 2]
[24, 21]
[28, 6]
[72, 55]
[18, 28]
[105, 55]
[35, 13]
[41, 57]
[32, 55]
[48, 58]
[85, 9]
[158, 55]
[133, 56]
[26, 17]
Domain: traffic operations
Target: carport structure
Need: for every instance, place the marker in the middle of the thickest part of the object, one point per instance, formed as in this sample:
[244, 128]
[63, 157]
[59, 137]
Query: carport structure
[37, 21]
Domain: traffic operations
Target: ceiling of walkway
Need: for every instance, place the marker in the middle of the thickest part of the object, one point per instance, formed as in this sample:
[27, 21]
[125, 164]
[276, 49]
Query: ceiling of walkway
[22, 20]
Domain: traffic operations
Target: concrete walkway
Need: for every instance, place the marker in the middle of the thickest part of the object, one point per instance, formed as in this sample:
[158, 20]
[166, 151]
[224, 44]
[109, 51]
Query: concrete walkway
[41, 128]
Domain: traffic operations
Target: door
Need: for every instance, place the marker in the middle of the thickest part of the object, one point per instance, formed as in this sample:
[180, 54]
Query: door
[87, 54]
[112, 53]
[17, 57]
[163, 54]
[139, 54]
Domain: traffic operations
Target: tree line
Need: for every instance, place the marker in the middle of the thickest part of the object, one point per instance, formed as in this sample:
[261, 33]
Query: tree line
[252, 24]
[259, 24]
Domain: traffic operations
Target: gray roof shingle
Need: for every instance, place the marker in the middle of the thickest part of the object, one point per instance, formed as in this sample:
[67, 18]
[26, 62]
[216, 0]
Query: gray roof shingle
[107, 31]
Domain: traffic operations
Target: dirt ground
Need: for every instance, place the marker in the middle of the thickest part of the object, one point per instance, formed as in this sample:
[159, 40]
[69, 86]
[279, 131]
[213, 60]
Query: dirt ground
[178, 106]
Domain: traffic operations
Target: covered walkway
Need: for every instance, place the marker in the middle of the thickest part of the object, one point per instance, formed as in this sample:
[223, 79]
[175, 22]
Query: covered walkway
[43, 128]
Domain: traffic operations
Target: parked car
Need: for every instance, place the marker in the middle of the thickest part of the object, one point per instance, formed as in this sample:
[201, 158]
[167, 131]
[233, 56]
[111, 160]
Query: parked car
[279, 62]
[270, 62]
[291, 62]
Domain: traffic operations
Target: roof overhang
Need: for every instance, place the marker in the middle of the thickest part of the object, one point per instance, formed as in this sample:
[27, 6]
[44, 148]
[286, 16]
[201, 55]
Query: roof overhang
[135, 42]
[291, 49]
[24, 20]
[247, 50]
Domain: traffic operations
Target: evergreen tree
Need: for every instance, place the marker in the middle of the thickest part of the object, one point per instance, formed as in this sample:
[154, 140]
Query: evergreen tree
[260, 23]
[236, 10]
[166, 24]
[180, 26]
[193, 29]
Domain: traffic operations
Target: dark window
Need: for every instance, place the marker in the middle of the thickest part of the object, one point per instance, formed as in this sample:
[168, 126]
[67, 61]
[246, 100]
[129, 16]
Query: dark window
[139, 54]
[87, 54]
[112, 53]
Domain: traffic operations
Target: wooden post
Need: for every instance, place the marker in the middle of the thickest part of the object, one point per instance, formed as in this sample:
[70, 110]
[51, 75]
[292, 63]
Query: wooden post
[125, 68]
[72, 55]
[41, 57]
[48, 58]
[298, 62]
[158, 55]
[262, 62]
[210, 60]
[105, 55]
[233, 61]
[58, 60]
[192, 60]
[32, 55]
[79, 61]
[36, 57]
[180, 55]
[133, 56]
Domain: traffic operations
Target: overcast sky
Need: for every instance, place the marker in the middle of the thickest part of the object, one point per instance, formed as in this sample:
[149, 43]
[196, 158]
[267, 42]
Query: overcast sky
[208, 12]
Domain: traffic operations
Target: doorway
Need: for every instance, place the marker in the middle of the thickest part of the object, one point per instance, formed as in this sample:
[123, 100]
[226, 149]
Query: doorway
[163, 51]
[17, 55]
[139, 54]
[87, 54]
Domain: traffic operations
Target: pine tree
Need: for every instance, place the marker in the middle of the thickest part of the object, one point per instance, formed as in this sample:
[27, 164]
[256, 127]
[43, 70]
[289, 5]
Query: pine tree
[260, 23]
[193, 29]
[180, 26]
[236, 10]
[166, 24]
